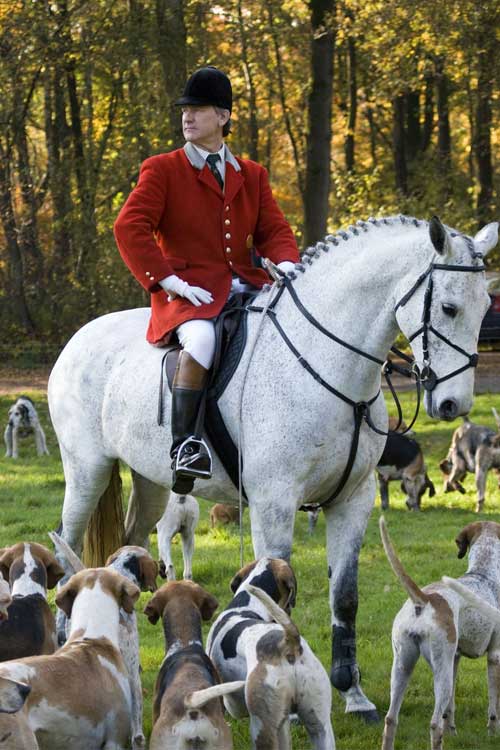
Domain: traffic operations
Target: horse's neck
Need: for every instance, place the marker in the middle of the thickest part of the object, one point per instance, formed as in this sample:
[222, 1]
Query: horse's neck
[351, 291]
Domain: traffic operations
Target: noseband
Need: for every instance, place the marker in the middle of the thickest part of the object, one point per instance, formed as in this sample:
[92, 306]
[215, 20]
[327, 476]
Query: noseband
[427, 376]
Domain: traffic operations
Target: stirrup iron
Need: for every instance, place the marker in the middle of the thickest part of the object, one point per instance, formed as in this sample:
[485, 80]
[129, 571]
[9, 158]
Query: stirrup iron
[189, 452]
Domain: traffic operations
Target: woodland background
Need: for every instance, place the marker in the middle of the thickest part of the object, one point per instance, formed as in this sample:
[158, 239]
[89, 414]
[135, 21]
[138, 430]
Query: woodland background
[356, 108]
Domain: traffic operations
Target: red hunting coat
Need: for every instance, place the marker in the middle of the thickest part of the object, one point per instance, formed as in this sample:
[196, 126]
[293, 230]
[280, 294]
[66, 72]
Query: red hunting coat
[178, 221]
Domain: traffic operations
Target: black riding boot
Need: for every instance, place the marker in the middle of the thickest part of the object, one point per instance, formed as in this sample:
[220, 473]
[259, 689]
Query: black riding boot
[191, 458]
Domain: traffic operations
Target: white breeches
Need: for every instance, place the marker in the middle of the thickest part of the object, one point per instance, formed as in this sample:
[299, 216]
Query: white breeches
[198, 338]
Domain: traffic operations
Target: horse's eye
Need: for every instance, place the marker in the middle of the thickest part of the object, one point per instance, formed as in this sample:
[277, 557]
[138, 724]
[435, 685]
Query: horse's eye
[450, 310]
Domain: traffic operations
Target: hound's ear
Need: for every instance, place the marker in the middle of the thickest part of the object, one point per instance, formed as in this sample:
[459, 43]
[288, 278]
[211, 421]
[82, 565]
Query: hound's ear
[54, 573]
[241, 575]
[129, 595]
[487, 238]
[148, 572]
[430, 486]
[439, 236]
[208, 606]
[6, 561]
[154, 608]
[66, 596]
[291, 584]
[462, 541]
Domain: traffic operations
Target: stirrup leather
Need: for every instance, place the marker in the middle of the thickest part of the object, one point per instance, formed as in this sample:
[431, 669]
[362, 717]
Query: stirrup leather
[193, 459]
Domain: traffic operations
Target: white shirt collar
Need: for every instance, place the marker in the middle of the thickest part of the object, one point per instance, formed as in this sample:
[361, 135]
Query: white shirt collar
[221, 165]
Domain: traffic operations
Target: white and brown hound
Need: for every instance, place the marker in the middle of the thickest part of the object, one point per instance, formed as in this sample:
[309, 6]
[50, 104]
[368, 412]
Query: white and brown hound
[23, 421]
[180, 517]
[80, 696]
[187, 711]
[474, 448]
[15, 732]
[253, 640]
[222, 514]
[30, 628]
[136, 564]
[403, 460]
[5, 598]
[443, 625]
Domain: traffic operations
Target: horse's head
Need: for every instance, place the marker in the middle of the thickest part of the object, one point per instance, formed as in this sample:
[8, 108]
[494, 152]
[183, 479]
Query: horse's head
[441, 315]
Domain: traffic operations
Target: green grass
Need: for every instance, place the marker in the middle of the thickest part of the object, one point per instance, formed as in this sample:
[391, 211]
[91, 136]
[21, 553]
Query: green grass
[31, 493]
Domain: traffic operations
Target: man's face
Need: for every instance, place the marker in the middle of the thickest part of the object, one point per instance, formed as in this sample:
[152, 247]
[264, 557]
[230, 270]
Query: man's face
[203, 125]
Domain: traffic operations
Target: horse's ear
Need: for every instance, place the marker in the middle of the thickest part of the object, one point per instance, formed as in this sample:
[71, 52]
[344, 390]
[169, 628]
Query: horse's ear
[439, 236]
[487, 237]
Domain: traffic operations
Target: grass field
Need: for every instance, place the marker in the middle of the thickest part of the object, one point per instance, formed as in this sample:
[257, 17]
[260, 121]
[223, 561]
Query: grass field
[31, 493]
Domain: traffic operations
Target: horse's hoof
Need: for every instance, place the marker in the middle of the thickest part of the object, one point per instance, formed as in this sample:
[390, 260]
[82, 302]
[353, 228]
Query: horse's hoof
[369, 717]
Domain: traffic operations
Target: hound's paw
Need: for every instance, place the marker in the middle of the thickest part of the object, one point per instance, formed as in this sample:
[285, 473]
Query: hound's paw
[139, 742]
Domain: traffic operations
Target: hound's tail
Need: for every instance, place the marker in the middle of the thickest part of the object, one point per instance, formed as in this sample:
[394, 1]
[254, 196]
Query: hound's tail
[473, 599]
[65, 550]
[497, 417]
[292, 635]
[200, 697]
[414, 592]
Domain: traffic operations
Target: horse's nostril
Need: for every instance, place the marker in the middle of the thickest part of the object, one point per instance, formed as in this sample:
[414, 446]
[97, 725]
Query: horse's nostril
[448, 409]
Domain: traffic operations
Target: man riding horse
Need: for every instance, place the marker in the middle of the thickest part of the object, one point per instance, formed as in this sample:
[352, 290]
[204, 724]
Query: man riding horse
[187, 232]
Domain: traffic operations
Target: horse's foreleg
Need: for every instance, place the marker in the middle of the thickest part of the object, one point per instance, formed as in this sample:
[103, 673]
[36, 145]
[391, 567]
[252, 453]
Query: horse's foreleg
[146, 506]
[272, 521]
[345, 527]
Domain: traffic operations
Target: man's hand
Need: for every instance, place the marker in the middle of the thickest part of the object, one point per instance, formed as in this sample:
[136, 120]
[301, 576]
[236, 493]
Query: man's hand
[286, 266]
[176, 287]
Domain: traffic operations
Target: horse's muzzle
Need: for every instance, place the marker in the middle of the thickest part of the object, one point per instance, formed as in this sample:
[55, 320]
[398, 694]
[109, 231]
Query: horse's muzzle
[448, 409]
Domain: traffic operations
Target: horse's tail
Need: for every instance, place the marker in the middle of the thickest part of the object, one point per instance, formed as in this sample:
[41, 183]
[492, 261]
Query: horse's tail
[415, 593]
[105, 532]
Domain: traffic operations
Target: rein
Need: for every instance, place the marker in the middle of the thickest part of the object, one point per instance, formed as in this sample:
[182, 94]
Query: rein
[361, 409]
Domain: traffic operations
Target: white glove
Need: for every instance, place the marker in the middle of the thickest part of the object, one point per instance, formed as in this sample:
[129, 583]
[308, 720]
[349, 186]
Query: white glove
[176, 287]
[286, 266]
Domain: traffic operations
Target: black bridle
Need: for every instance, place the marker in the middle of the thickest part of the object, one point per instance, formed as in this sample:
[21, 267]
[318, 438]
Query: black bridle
[427, 376]
[361, 409]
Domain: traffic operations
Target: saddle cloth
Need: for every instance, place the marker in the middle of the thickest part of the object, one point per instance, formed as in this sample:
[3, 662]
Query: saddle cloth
[231, 337]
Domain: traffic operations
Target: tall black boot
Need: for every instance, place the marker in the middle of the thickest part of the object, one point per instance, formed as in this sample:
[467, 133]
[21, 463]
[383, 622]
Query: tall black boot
[191, 458]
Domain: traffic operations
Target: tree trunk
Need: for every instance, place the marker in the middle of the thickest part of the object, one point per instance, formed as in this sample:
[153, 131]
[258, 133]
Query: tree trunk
[11, 231]
[413, 135]
[57, 138]
[173, 57]
[317, 184]
[353, 105]
[482, 145]
[284, 105]
[253, 141]
[428, 112]
[86, 182]
[373, 134]
[398, 141]
[444, 135]
[139, 52]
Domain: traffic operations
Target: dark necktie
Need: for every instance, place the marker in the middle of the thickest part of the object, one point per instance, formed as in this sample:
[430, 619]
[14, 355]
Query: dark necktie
[212, 160]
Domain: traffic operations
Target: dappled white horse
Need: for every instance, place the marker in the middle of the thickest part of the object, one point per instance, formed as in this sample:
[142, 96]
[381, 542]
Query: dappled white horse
[363, 285]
